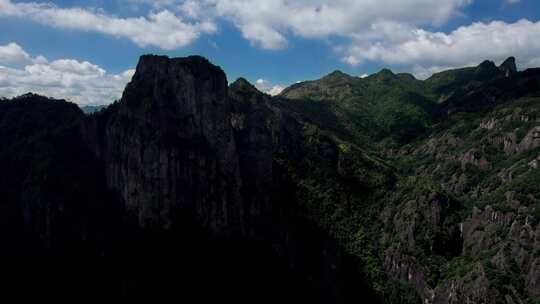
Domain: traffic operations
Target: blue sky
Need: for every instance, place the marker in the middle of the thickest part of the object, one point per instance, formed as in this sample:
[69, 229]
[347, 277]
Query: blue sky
[88, 49]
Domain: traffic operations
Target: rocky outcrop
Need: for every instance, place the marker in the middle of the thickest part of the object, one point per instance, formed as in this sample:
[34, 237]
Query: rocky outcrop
[535, 163]
[169, 146]
[489, 124]
[405, 268]
[531, 140]
[532, 280]
[185, 152]
[508, 67]
[480, 230]
[475, 158]
[180, 141]
[507, 142]
[422, 227]
[474, 287]
[427, 220]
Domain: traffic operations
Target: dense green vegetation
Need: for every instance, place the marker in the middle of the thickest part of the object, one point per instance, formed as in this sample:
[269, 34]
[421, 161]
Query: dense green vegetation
[365, 110]
[454, 141]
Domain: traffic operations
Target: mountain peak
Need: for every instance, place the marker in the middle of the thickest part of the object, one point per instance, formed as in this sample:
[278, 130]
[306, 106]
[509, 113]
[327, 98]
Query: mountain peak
[385, 72]
[487, 70]
[242, 84]
[155, 64]
[508, 67]
[337, 75]
[160, 79]
[486, 64]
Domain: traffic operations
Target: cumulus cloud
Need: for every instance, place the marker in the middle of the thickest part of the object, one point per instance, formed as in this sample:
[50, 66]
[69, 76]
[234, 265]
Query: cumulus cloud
[163, 29]
[269, 88]
[432, 51]
[266, 23]
[80, 82]
[13, 54]
[394, 33]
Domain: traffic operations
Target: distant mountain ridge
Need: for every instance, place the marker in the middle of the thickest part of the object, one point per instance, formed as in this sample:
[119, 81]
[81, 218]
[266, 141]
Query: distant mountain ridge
[92, 109]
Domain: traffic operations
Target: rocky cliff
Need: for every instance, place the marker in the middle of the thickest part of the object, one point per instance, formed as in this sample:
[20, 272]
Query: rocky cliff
[200, 172]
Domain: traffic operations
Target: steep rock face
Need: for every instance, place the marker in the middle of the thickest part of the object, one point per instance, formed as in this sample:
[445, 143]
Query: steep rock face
[508, 67]
[425, 224]
[472, 288]
[403, 267]
[180, 146]
[262, 132]
[181, 142]
[169, 145]
[420, 227]
[531, 140]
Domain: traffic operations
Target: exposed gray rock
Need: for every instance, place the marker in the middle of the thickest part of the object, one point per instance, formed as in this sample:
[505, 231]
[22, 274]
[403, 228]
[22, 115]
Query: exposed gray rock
[405, 268]
[508, 67]
[472, 288]
[531, 140]
[474, 157]
[535, 163]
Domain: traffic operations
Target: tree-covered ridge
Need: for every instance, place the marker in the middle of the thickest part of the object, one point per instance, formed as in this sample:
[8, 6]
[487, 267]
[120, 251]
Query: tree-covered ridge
[393, 109]
[459, 222]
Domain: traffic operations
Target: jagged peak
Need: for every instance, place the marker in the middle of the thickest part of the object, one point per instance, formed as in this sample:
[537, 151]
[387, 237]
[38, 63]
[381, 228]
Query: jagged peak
[244, 85]
[508, 67]
[510, 60]
[241, 81]
[487, 64]
[337, 74]
[487, 70]
[385, 72]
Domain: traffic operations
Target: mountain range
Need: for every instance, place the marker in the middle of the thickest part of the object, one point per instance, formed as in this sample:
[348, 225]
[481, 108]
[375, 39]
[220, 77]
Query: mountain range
[383, 189]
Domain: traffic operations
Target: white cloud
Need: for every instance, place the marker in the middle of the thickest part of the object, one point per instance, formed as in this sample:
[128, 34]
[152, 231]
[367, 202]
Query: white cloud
[80, 82]
[392, 33]
[13, 54]
[266, 23]
[432, 51]
[269, 88]
[276, 90]
[163, 29]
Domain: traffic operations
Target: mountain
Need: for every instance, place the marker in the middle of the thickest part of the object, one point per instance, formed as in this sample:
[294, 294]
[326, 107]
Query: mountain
[461, 223]
[92, 109]
[370, 109]
[192, 182]
[384, 189]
